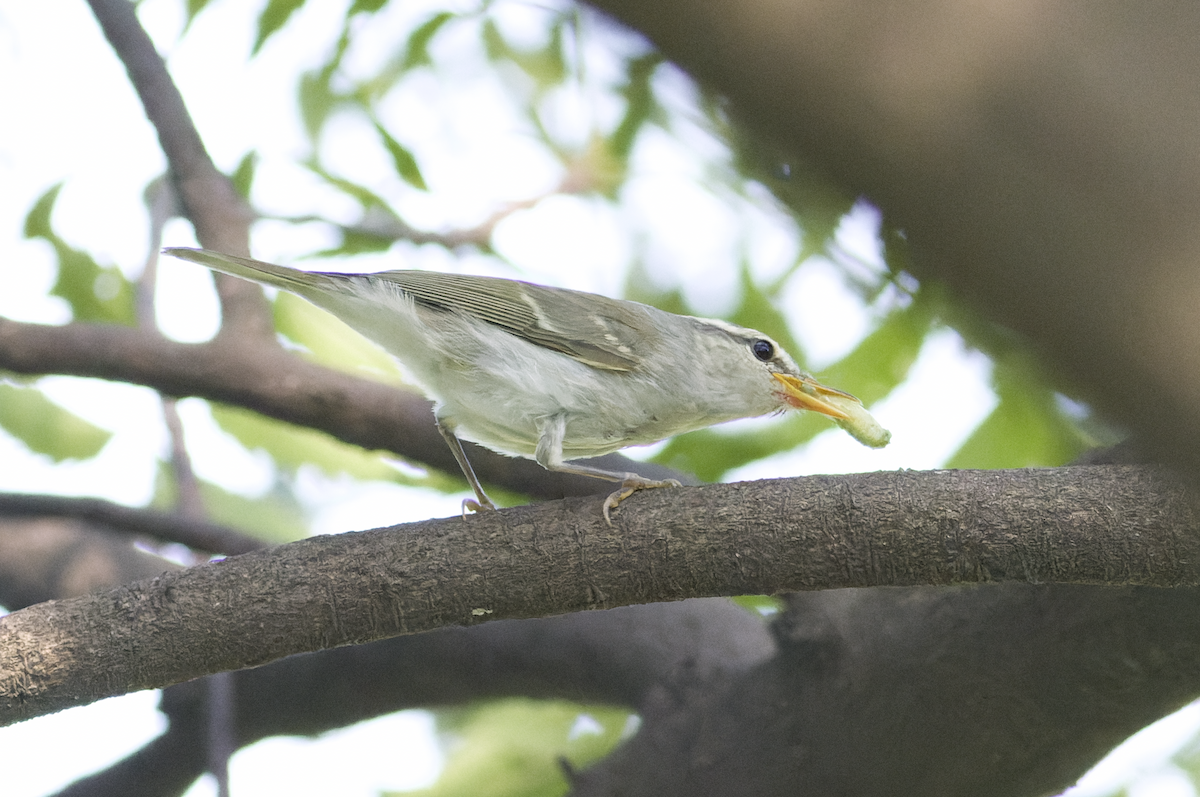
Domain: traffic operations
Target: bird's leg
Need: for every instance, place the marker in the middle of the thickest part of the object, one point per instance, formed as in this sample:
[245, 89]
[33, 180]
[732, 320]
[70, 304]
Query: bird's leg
[447, 430]
[549, 455]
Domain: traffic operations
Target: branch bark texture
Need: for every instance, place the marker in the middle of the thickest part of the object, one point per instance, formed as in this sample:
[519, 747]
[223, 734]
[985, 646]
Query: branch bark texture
[1093, 525]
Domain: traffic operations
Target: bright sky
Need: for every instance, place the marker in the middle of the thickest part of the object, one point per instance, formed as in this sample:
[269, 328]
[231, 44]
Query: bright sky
[72, 116]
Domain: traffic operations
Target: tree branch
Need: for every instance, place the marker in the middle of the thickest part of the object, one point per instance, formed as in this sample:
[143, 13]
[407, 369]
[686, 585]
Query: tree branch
[1093, 525]
[165, 526]
[990, 691]
[45, 558]
[610, 657]
[220, 217]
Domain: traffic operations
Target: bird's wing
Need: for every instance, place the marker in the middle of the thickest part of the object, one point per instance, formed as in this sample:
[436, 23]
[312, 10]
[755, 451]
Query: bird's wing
[601, 332]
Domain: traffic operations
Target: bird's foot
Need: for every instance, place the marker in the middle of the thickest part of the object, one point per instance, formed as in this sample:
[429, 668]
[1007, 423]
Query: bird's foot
[471, 505]
[631, 485]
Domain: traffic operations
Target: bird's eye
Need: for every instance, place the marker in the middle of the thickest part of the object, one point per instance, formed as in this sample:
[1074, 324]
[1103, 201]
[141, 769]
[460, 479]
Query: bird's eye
[763, 349]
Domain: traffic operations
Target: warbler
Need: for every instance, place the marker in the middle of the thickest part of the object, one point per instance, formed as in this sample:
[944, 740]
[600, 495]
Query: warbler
[553, 374]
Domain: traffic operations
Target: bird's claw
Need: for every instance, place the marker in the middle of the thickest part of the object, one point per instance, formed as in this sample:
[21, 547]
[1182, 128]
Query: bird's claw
[471, 505]
[630, 486]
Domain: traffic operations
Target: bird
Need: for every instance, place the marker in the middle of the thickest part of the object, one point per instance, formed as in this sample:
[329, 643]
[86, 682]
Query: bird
[556, 375]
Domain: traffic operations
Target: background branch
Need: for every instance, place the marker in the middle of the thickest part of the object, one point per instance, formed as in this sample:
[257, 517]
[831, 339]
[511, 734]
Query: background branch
[200, 535]
[220, 217]
[614, 657]
[995, 690]
[43, 558]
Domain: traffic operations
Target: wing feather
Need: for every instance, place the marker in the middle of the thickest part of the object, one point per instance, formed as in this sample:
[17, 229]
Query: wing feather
[598, 331]
[601, 332]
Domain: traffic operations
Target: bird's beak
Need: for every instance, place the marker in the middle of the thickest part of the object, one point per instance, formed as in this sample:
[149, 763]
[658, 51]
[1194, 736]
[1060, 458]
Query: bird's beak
[805, 393]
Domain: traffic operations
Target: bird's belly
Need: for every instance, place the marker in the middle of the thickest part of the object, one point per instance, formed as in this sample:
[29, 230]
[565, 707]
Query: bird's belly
[503, 408]
[512, 427]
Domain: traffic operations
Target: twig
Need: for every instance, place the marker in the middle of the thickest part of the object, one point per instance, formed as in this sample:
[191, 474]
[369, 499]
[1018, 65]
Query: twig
[165, 526]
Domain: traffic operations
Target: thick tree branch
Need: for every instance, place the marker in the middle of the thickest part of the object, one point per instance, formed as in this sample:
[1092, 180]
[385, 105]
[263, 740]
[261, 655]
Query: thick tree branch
[266, 379]
[1094, 525]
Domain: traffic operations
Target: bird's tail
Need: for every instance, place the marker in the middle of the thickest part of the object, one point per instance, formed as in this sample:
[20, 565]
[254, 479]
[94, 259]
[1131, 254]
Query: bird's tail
[305, 283]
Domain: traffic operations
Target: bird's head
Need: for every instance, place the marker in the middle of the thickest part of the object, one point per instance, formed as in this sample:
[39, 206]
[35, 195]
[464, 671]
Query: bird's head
[763, 358]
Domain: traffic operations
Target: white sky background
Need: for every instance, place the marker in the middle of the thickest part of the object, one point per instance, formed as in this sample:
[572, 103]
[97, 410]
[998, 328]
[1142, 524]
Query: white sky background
[70, 114]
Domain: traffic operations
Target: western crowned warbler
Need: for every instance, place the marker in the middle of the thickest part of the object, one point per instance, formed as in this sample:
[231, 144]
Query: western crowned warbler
[554, 374]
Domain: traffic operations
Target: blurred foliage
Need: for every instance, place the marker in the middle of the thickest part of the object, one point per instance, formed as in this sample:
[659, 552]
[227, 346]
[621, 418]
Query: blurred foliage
[760, 605]
[292, 446]
[402, 159]
[243, 175]
[1026, 429]
[276, 517]
[45, 427]
[327, 340]
[489, 757]
[95, 293]
[273, 18]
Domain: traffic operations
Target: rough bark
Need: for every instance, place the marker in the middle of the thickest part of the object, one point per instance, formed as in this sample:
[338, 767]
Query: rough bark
[1121, 525]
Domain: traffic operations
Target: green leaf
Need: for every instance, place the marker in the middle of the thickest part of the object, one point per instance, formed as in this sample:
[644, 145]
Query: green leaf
[760, 605]
[882, 360]
[194, 7]
[756, 310]
[95, 293]
[356, 242]
[710, 453]
[45, 427]
[639, 102]
[365, 7]
[494, 44]
[273, 17]
[243, 176]
[330, 342]
[1027, 428]
[292, 446]
[365, 196]
[512, 748]
[403, 160]
[417, 52]
[316, 101]
[545, 65]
